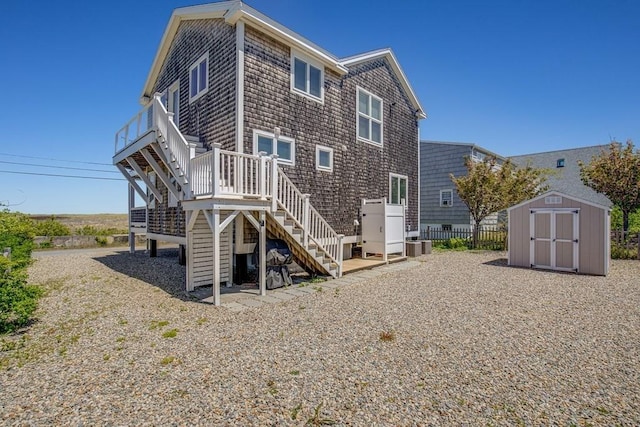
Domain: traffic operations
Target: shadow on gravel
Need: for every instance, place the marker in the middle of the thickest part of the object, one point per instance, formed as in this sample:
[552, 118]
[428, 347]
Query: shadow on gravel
[498, 262]
[163, 272]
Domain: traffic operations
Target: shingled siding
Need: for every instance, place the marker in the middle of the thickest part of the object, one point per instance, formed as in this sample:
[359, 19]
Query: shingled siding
[360, 170]
[211, 117]
[437, 161]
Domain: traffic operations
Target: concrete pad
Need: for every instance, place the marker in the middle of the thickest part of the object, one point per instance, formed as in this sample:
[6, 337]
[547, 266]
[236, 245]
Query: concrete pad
[251, 302]
[270, 299]
[306, 289]
[329, 284]
[283, 295]
[233, 306]
[295, 292]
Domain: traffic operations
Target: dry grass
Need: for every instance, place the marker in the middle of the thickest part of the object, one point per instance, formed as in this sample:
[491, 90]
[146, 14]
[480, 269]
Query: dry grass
[100, 221]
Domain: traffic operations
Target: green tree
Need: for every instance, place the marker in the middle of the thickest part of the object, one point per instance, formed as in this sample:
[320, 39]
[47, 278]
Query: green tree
[616, 174]
[489, 187]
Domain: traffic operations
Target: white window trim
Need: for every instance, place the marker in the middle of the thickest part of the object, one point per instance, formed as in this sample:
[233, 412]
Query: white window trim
[270, 135]
[315, 64]
[381, 121]
[444, 191]
[319, 167]
[406, 178]
[196, 64]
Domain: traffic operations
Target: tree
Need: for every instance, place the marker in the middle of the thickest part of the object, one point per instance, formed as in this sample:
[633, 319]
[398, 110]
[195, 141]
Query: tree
[490, 187]
[616, 174]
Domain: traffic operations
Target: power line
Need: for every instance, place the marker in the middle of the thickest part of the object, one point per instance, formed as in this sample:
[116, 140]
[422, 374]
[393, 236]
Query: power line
[57, 167]
[64, 176]
[55, 160]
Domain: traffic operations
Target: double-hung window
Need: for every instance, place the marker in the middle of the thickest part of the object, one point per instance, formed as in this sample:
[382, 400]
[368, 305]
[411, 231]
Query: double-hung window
[307, 77]
[446, 198]
[282, 146]
[199, 78]
[369, 125]
[398, 189]
[324, 158]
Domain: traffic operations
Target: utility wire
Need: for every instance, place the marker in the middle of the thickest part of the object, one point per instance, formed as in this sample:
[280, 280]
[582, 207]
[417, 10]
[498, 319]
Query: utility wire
[64, 176]
[55, 160]
[58, 167]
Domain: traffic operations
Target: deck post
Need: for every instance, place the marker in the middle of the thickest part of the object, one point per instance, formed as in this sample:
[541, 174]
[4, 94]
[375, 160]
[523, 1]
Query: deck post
[340, 254]
[263, 253]
[262, 177]
[306, 214]
[215, 170]
[274, 182]
[132, 235]
[216, 256]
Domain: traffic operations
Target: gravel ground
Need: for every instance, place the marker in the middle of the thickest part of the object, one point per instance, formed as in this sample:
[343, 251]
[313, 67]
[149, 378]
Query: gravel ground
[460, 339]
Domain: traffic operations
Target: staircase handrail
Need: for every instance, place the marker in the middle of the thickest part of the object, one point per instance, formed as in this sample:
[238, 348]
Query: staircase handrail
[313, 225]
[176, 143]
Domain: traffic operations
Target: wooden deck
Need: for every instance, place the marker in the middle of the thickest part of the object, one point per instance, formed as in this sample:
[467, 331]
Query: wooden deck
[356, 264]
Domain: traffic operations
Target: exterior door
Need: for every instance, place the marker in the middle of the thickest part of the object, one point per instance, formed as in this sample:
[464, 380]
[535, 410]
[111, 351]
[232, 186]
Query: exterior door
[554, 239]
[171, 100]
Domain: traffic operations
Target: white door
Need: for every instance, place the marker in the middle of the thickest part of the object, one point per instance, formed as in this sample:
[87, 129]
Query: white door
[554, 239]
[171, 100]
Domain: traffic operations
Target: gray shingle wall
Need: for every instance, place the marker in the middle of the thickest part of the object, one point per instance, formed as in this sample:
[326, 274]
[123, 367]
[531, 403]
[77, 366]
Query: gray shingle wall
[437, 161]
[360, 170]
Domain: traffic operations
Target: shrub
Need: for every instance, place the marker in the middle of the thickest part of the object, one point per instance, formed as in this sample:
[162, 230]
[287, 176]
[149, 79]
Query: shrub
[622, 252]
[51, 227]
[18, 300]
[456, 243]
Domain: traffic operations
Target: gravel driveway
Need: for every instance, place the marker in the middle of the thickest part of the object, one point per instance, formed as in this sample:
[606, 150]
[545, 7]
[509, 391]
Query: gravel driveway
[460, 339]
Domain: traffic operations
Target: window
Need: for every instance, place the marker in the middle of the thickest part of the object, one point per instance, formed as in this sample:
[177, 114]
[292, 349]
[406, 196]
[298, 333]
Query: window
[369, 125]
[446, 198]
[446, 227]
[560, 163]
[398, 189]
[324, 158]
[199, 78]
[307, 77]
[284, 147]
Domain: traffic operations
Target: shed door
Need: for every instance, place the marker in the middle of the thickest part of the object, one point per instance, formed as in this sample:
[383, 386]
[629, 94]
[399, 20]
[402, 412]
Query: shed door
[554, 239]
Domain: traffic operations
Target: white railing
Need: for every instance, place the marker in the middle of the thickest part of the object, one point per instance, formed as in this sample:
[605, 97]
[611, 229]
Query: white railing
[178, 146]
[314, 226]
[140, 124]
[219, 173]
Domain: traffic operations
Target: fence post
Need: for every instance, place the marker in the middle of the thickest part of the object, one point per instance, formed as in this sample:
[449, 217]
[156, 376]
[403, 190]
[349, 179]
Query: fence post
[215, 170]
[340, 254]
[306, 213]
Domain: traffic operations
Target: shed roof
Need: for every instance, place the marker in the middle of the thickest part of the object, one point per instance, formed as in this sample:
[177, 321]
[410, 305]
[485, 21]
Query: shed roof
[558, 193]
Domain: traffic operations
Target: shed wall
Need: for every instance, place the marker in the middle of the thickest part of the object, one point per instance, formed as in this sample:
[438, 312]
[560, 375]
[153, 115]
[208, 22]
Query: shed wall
[593, 240]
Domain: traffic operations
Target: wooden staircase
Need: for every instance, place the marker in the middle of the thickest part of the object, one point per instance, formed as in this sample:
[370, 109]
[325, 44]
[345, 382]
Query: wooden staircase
[310, 257]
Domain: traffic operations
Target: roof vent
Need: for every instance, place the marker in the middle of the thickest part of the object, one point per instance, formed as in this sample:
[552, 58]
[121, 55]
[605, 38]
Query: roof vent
[560, 163]
[553, 200]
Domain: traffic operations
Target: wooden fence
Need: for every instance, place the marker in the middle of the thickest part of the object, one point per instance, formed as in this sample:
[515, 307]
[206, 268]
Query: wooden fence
[457, 237]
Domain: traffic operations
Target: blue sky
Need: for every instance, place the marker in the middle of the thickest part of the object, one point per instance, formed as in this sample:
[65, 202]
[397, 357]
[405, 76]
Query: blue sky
[513, 76]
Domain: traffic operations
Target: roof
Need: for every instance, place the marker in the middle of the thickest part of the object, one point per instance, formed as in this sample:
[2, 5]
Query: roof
[567, 179]
[235, 10]
[468, 144]
[558, 193]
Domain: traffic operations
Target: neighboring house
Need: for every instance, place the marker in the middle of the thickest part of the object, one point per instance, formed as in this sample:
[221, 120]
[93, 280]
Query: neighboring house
[229, 89]
[440, 206]
[565, 172]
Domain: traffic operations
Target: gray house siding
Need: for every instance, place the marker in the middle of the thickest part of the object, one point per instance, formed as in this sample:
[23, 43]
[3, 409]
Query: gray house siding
[360, 170]
[437, 161]
[211, 117]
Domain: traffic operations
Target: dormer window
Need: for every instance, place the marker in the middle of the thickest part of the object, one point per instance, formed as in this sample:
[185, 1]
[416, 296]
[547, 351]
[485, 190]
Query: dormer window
[307, 77]
[560, 163]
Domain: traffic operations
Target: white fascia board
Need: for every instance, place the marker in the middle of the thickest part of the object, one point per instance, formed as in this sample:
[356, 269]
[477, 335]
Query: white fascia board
[265, 24]
[395, 65]
[566, 196]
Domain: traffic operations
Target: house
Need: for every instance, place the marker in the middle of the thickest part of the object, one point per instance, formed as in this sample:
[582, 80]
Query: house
[248, 130]
[440, 206]
[564, 170]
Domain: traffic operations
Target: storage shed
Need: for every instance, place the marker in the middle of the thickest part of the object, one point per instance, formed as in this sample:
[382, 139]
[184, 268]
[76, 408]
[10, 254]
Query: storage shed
[560, 232]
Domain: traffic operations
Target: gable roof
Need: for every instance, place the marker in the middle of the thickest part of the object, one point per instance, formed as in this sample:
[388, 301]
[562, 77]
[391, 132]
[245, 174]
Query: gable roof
[567, 179]
[235, 10]
[558, 193]
[471, 146]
